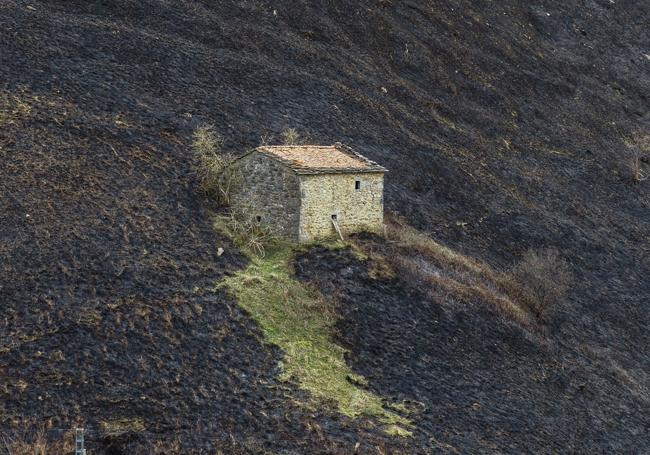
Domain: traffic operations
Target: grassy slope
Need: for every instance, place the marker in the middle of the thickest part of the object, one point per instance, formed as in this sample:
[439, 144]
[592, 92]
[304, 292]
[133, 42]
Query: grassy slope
[301, 322]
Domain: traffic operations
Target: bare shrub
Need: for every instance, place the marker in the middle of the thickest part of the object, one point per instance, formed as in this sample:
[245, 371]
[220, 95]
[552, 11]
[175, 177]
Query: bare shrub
[635, 158]
[217, 175]
[206, 140]
[546, 278]
[631, 166]
[247, 233]
[290, 136]
[266, 139]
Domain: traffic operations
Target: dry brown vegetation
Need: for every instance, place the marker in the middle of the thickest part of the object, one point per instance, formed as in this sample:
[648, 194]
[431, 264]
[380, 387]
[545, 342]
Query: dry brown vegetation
[247, 233]
[290, 136]
[36, 442]
[523, 294]
[118, 427]
[546, 277]
[635, 159]
[216, 175]
[632, 166]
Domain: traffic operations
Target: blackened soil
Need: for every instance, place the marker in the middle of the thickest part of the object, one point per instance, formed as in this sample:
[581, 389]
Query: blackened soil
[502, 124]
[475, 383]
[191, 370]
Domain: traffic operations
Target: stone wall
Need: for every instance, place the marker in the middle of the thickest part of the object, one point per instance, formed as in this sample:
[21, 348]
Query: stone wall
[324, 195]
[269, 190]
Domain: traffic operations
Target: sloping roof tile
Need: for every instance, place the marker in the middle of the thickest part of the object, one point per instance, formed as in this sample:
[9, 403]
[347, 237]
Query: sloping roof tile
[313, 159]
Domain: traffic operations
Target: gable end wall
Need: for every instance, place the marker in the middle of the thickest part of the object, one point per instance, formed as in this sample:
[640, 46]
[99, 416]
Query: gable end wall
[324, 195]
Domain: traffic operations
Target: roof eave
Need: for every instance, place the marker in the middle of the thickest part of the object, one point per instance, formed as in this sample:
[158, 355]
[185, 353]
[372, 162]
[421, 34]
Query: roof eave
[318, 171]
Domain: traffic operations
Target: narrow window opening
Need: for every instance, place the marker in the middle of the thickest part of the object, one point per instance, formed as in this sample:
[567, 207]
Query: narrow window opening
[357, 184]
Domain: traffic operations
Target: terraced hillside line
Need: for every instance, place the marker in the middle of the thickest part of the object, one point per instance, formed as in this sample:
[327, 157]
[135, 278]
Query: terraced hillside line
[294, 317]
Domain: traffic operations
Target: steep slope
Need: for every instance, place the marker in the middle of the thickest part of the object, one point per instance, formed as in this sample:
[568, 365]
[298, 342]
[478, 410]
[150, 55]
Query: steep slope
[503, 125]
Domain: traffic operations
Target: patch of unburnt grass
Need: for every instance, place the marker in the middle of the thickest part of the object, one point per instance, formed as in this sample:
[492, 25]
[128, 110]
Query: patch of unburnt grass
[634, 161]
[297, 318]
[524, 294]
[35, 441]
[118, 427]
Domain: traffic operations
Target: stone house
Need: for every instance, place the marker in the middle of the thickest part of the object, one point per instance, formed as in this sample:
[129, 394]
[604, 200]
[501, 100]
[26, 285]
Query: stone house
[307, 192]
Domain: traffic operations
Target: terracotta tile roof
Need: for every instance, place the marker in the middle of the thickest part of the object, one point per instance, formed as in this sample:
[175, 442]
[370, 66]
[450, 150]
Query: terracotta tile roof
[313, 159]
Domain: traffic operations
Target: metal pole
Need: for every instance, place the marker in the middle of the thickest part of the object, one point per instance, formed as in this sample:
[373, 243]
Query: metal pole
[79, 442]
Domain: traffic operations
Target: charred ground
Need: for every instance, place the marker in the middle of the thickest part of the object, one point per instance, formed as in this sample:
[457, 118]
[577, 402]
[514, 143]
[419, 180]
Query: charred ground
[504, 127]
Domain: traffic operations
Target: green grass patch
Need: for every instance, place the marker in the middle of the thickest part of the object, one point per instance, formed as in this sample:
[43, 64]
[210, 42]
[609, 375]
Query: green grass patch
[299, 320]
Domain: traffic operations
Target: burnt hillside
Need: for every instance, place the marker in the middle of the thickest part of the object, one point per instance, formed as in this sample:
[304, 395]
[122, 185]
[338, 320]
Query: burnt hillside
[505, 126]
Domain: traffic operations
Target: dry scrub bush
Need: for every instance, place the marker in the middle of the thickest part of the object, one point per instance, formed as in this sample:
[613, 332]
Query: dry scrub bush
[266, 139]
[635, 158]
[247, 233]
[546, 277]
[290, 136]
[218, 178]
[631, 166]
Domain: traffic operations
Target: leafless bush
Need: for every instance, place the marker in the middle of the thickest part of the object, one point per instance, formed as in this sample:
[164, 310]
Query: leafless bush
[218, 178]
[266, 139]
[631, 166]
[290, 136]
[247, 233]
[635, 158]
[546, 278]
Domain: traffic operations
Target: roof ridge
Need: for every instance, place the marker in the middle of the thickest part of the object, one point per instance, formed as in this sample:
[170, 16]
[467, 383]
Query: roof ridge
[297, 146]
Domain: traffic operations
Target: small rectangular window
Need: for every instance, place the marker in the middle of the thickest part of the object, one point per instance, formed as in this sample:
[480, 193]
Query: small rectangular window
[357, 184]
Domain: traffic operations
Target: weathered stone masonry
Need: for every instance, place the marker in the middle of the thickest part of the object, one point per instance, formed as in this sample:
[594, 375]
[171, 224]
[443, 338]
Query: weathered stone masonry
[324, 195]
[297, 191]
[271, 191]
